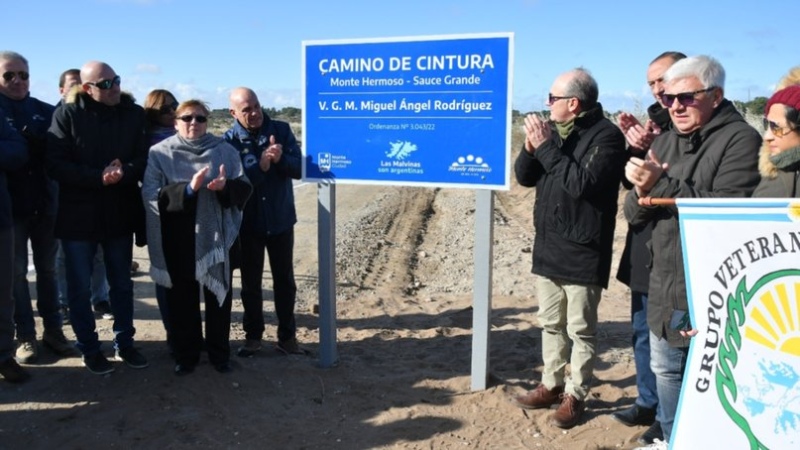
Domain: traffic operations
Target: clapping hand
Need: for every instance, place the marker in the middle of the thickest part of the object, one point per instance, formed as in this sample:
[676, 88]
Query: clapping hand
[112, 173]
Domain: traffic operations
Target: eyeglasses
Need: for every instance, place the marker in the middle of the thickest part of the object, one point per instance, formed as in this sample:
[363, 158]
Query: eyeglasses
[10, 76]
[684, 98]
[554, 98]
[166, 109]
[106, 84]
[188, 118]
[777, 130]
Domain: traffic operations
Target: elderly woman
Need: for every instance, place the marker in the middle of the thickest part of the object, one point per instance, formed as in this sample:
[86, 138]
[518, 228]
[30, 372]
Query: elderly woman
[194, 190]
[780, 165]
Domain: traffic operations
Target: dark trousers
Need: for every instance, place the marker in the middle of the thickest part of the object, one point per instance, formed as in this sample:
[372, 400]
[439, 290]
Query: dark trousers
[186, 323]
[280, 250]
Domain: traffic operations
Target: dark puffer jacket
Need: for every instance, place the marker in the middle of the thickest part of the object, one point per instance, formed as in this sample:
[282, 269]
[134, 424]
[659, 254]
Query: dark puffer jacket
[718, 160]
[577, 183]
[84, 138]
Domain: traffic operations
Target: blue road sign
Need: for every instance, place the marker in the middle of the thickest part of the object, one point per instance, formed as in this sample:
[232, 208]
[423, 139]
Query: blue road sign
[425, 111]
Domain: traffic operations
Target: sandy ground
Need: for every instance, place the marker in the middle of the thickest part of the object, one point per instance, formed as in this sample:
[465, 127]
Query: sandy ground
[404, 296]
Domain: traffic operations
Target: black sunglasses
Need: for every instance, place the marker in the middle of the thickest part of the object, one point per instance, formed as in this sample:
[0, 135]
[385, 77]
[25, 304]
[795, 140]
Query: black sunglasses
[554, 98]
[9, 76]
[166, 109]
[188, 118]
[684, 98]
[106, 84]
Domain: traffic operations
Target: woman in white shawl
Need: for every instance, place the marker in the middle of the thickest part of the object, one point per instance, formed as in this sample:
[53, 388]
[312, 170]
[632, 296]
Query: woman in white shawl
[194, 190]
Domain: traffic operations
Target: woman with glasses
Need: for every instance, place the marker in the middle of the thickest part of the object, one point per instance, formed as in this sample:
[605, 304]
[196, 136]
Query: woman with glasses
[194, 190]
[780, 163]
[159, 110]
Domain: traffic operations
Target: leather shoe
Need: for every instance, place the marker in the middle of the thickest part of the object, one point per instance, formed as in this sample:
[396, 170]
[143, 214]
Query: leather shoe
[541, 397]
[635, 415]
[651, 434]
[569, 412]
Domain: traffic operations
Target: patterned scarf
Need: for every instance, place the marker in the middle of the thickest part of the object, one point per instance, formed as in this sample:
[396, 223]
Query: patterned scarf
[176, 160]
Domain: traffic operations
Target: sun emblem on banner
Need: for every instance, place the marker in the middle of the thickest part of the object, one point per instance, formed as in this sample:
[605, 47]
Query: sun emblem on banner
[776, 319]
[794, 211]
[759, 364]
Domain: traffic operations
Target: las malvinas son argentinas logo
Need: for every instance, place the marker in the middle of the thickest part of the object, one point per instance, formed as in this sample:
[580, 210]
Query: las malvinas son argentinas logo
[758, 389]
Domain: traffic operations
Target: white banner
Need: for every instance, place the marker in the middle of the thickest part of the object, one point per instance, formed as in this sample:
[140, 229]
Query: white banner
[742, 382]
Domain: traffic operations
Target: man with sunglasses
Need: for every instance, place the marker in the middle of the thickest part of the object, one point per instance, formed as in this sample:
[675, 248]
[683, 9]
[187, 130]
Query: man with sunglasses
[13, 155]
[33, 200]
[710, 151]
[98, 152]
[271, 159]
[575, 163]
[634, 265]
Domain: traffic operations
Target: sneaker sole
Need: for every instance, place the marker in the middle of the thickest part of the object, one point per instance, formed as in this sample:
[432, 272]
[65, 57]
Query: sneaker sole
[99, 372]
[132, 366]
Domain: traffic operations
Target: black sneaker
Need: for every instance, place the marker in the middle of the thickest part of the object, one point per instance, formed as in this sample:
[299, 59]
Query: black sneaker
[97, 364]
[132, 358]
[250, 348]
[635, 415]
[103, 309]
[13, 372]
[651, 434]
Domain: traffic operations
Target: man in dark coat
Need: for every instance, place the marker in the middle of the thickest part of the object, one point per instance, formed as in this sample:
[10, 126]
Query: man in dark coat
[576, 164]
[271, 159]
[634, 265]
[33, 199]
[710, 151]
[13, 155]
[97, 151]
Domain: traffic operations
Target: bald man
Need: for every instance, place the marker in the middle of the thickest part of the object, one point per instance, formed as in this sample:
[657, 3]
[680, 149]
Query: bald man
[97, 151]
[575, 161]
[271, 158]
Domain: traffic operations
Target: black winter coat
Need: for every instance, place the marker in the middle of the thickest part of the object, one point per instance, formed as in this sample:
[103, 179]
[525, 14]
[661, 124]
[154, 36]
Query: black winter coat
[718, 160]
[83, 139]
[577, 184]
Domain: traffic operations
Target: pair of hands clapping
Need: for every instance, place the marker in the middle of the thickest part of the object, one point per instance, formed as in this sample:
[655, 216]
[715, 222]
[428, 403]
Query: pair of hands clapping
[217, 184]
[643, 173]
[270, 155]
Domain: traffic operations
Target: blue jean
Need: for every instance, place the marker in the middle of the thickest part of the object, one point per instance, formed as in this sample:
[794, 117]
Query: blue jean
[6, 296]
[39, 230]
[645, 379]
[99, 285]
[117, 255]
[668, 364]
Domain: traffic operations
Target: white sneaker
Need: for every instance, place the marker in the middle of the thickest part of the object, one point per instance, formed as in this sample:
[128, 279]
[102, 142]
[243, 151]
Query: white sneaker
[657, 444]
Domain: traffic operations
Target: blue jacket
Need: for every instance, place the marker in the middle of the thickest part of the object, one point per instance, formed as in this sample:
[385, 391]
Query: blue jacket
[32, 191]
[13, 155]
[270, 210]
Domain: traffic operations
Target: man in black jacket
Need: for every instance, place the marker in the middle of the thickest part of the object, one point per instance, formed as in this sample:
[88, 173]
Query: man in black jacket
[576, 164]
[634, 266]
[710, 151]
[97, 151]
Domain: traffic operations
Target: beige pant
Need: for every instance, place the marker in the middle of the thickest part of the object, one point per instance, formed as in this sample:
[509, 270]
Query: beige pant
[568, 312]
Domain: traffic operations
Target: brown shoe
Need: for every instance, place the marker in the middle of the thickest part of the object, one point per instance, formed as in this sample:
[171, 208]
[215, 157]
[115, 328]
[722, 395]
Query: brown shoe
[569, 412]
[541, 397]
